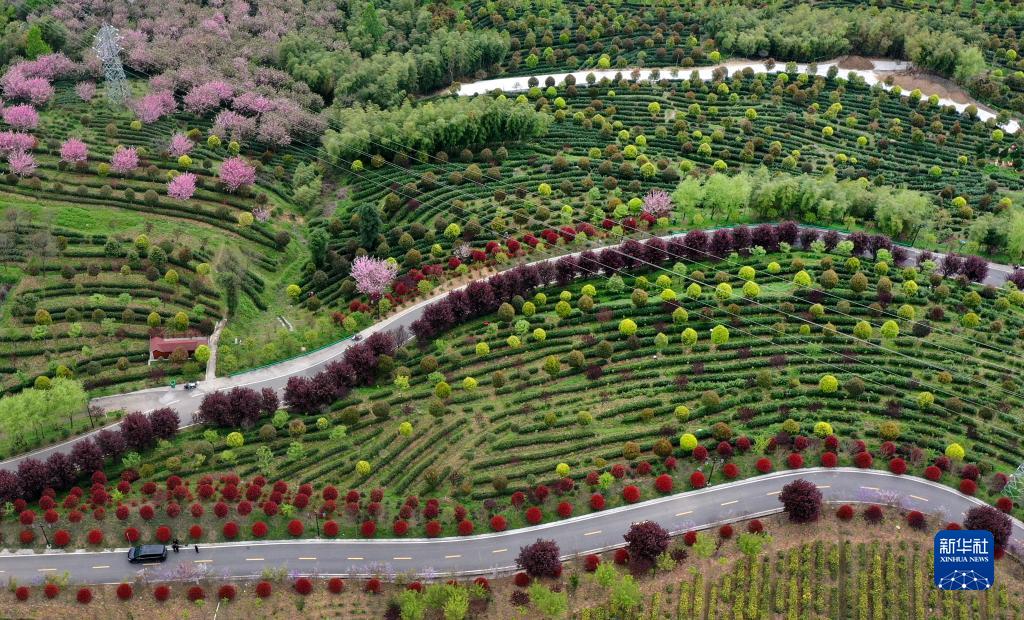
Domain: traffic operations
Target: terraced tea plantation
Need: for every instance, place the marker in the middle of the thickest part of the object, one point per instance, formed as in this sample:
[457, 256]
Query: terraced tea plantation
[612, 142]
[824, 580]
[705, 372]
[96, 260]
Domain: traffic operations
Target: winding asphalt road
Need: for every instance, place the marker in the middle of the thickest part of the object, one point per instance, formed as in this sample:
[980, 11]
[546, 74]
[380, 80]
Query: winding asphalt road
[494, 554]
[276, 376]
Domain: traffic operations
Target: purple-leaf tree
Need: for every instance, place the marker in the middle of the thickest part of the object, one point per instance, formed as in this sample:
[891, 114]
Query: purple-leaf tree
[182, 186]
[22, 164]
[179, 145]
[373, 276]
[124, 160]
[658, 203]
[237, 173]
[74, 151]
[21, 117]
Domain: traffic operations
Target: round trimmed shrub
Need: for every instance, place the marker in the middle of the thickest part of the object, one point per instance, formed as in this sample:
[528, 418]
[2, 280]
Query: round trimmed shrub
[968, 486]
[226, 592]
[873, 514]
[303, 586]
[259, 529]
[690, 538]
[163, 534]
[521, 580]
[698, 480]
[335, 585]
[621, 557]
[534, 515]
[465, 528]
[433, 528]
[51, 590]
[597, 502]
[725, 532]
[21, 593]
[932, 473]
[373, 586]
[763, 465]
[124, 591]
[195, 532]
[863, 460]
[498, 523]
[591, 562]
[84, 596]
[795, 460]
[230, 530]
[400, 528]
[916, 520]
[162, 593]
[264, 589]
[755, 526]
[196, 593]
[730, 470]
[663, 483]
[845, 512]
[898, 466]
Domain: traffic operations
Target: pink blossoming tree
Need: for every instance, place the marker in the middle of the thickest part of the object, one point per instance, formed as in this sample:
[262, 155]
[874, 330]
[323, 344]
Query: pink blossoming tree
[11, 141]
[124, 160]
[236, 173]
[658, 203]
[74, 151]
[182, 186]
[153, 106]
[207, 97]
[179, 145]
[21, 117]
[373, 276]
[22, 164]
[85, 91]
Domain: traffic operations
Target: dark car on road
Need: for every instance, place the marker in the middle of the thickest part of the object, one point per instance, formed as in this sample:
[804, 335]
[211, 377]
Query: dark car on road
[147, 553]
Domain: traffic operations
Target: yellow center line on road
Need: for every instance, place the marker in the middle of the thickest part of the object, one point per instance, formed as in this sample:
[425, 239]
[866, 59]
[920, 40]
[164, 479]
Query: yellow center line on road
[824, 486]
[402, 557]
[923, 499]
[202, 561]
[452, 557]
[682, 514]
[735, 501]
[499, 551]
[44, 570]
[773, 492]
[592, 533]
[253, 559]
[354, 558]
[307, 558]
[102, 566]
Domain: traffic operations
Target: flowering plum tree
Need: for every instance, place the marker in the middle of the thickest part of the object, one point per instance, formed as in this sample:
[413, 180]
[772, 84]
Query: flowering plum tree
[153, 106]
[22, 164]
[236, 173]
[206, 97]
[124, 160]
[85, 90]
[373, 276]
[21, 117]
[182, 186]
[74, 151]
[179, 145]
[11, 142]
[657, 203]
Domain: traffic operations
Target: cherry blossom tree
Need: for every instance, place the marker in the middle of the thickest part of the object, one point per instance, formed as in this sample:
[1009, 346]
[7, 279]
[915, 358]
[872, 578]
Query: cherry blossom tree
[658, 203]
[124, 160]
[236, 173]
[373, 276]
[22, 164]
[252, 103]
[74, 151]
[11, 141]
[233, 125]
[21, 117]
[179, 145]
[35, 90]
[85, 91]
[154, 106]
[182, 186]
[207, 97]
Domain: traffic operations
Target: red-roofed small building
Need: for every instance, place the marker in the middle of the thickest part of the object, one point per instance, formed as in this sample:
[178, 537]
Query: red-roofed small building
[162, 348]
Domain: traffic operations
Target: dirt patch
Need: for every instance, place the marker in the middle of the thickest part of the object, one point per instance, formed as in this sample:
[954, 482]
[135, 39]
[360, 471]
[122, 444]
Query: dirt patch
[859, 63]
[929, 84]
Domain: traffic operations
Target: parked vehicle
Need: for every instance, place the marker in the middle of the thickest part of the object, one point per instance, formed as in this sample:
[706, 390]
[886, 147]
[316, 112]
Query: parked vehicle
[147, 553]
[191, 385]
